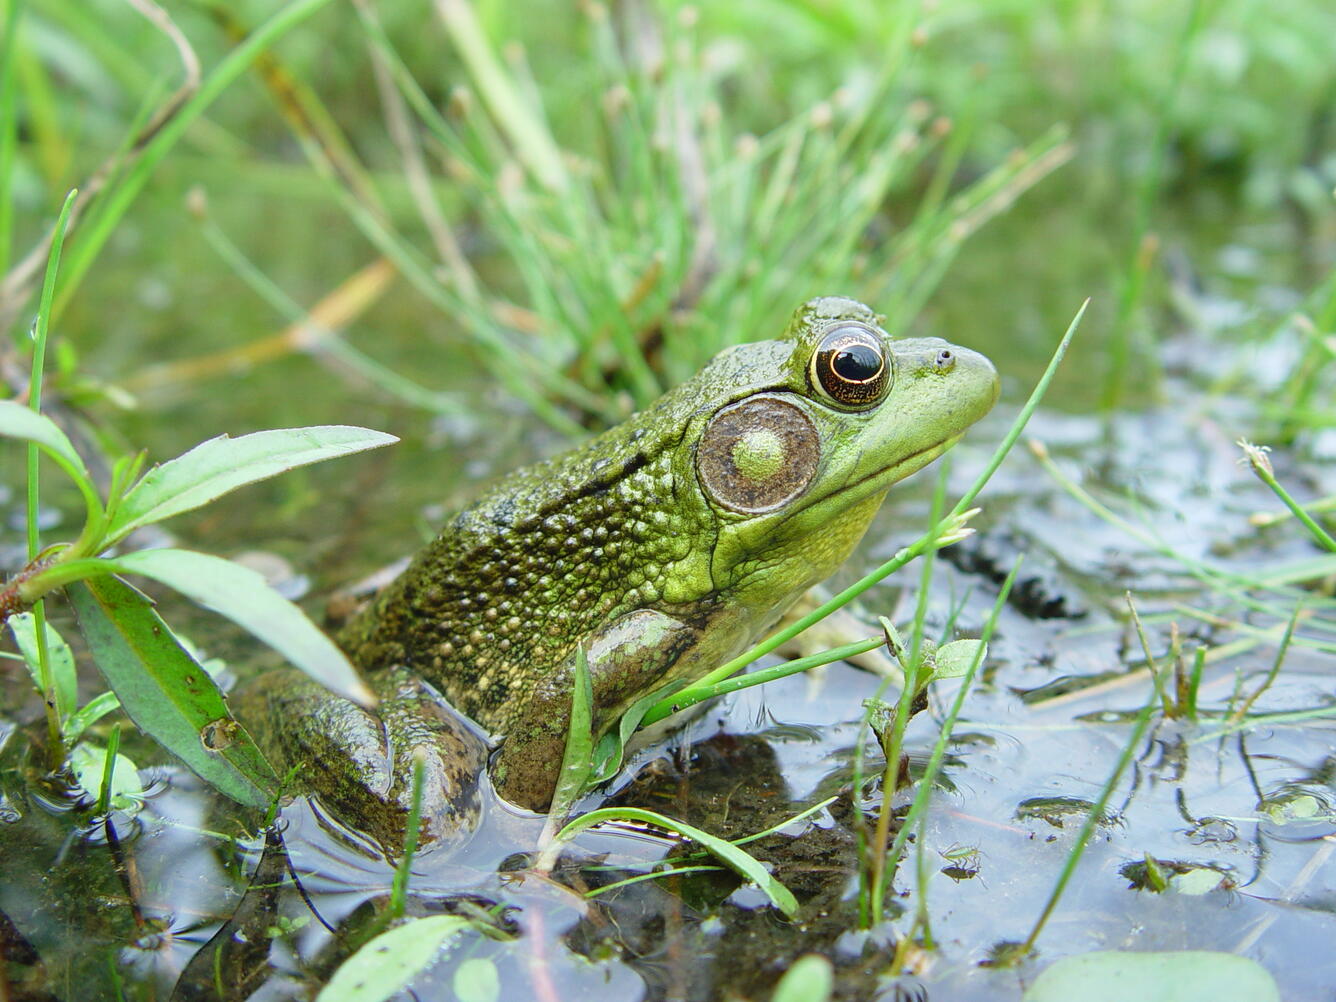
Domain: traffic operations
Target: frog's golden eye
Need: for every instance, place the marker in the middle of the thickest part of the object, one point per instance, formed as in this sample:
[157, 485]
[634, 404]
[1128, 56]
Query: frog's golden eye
[850, 366]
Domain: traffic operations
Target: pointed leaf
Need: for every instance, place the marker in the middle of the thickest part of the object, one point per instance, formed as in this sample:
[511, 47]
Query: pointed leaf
[167, 695]
[611, 748]
[222, 464]
[89, 714]
[576, 761]
[59, 656]
[390, 961]
[17, 421]
[244, 597]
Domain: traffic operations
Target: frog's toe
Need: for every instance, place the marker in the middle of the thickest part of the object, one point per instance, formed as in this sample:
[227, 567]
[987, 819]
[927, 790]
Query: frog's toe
[420, 726]
[359, 764]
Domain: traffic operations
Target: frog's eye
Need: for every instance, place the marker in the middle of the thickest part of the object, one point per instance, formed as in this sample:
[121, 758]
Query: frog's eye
[850, 366]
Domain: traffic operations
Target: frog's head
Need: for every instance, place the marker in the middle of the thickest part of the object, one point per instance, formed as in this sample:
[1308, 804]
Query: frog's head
[811, 431]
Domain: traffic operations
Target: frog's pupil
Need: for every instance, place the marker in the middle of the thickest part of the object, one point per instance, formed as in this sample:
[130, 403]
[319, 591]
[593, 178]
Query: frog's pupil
[856, 363]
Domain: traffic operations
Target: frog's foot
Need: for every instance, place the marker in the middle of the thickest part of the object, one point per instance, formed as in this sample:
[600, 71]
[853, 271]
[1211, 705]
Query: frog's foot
[359, 764]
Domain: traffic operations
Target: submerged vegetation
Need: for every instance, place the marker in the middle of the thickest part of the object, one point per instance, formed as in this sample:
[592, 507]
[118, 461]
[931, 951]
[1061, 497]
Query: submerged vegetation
[493, 230]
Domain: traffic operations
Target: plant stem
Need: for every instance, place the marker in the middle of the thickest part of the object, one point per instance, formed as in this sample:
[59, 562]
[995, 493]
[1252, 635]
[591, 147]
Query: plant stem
[1194, 682]
[39, 333]
[1261, 465]
[55, 744]
[58, 575]
[1246, 705]
[700, 692]
[1156, 680]
[920, 805]
[108, 771]
[399, 887]
[913, 667]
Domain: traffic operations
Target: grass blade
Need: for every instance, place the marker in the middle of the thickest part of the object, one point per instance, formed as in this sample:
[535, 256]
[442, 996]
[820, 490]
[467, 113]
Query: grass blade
[1092, 820]
[117, 201]
[8, 129]
[744, 864]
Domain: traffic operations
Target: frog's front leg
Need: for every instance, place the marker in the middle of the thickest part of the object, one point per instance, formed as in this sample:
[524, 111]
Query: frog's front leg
[360, 762]
[627, 659]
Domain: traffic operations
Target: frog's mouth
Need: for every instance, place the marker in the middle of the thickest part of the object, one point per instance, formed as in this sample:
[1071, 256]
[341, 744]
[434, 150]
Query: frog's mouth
[887, 476]
[823, 511]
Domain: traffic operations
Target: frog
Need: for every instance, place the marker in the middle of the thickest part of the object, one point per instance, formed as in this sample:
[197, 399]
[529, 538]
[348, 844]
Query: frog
[657, 550]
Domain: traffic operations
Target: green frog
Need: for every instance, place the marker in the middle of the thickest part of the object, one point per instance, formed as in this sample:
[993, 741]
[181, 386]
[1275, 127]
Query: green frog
[663, 547]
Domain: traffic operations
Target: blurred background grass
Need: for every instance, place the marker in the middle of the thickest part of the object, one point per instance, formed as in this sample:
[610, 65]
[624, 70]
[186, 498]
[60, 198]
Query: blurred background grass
[500, 210]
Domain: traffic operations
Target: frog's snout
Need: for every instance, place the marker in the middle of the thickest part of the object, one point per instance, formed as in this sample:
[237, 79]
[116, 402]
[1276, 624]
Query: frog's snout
[965, 375]
[981, 370]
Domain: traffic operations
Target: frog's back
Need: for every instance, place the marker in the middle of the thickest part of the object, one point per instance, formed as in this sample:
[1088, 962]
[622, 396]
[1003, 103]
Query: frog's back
[544, 557]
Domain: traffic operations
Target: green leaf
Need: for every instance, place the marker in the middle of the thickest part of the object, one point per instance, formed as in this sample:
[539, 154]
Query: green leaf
[17, 421]
[809, 979]
[63, 673]
[89, 762]
[167, 695]
[576, 761]
[894, 641]
[736, 859]
[223, 464]
[1290, 807]
[244, 597]
[391, 960]
[954, 659]
[1189, 976]
[1156, 879]
[476, 980]
[89, 714]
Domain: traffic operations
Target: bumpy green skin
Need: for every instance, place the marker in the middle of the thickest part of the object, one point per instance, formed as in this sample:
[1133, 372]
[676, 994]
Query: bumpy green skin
[618, 546]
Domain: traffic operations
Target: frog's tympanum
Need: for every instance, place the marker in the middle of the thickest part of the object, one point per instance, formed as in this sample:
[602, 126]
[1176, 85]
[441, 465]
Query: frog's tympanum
[663, 547]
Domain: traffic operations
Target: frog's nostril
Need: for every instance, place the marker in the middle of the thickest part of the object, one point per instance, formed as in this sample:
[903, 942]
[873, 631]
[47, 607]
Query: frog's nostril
[945, 359]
